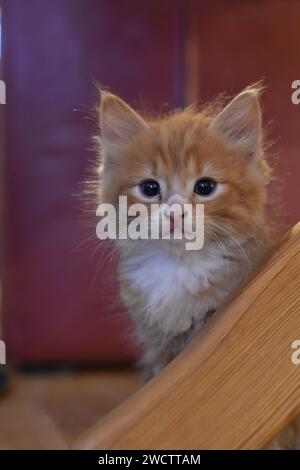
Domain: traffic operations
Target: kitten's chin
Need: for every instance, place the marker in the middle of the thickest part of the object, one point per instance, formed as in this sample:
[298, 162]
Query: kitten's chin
[178, 247]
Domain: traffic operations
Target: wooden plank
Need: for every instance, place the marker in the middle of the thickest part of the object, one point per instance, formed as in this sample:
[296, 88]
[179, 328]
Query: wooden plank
[235, 386]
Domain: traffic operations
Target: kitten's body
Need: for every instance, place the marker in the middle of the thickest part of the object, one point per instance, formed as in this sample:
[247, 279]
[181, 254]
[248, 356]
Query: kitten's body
[171, 296]
[169, 291]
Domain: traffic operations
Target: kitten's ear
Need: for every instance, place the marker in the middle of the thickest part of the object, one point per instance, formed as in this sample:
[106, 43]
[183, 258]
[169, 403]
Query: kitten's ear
[119, 123]
[239, 122]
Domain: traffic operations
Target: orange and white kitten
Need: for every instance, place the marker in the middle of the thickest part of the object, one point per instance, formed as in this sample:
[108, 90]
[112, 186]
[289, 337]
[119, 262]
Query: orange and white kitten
[213, 157]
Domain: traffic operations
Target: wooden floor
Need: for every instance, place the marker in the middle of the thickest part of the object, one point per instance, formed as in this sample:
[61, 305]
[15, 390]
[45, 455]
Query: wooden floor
[47, 411]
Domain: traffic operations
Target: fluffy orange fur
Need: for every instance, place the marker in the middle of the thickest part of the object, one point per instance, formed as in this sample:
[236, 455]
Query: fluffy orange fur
[225, 145]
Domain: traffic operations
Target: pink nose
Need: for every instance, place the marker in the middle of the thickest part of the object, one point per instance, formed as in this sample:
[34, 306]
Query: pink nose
[174, 216]
[175, 219]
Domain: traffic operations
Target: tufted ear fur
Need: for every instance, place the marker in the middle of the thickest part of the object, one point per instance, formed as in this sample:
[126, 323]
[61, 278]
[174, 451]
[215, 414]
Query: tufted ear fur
[119, 123]
[240, 124]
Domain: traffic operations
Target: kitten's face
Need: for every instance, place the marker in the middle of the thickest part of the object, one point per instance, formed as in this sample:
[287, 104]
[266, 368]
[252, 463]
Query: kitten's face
[189, 158]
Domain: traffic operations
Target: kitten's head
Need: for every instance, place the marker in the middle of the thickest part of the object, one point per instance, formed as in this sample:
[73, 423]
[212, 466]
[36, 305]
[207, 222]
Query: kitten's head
[211, 157]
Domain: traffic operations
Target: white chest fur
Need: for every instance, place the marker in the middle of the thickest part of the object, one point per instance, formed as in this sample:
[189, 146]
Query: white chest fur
[172, 285]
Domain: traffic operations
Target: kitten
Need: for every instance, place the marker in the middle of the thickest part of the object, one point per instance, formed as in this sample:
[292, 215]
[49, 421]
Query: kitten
[214, 157]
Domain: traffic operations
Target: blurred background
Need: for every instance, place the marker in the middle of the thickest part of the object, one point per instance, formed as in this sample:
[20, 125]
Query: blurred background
[59, 297]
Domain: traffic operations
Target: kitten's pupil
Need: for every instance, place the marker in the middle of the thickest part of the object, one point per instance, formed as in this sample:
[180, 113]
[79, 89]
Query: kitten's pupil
[150, 188]
[205, 186]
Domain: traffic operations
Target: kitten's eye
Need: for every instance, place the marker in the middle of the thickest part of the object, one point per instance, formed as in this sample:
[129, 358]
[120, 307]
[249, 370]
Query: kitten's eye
[150, 188]
[205, 186]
